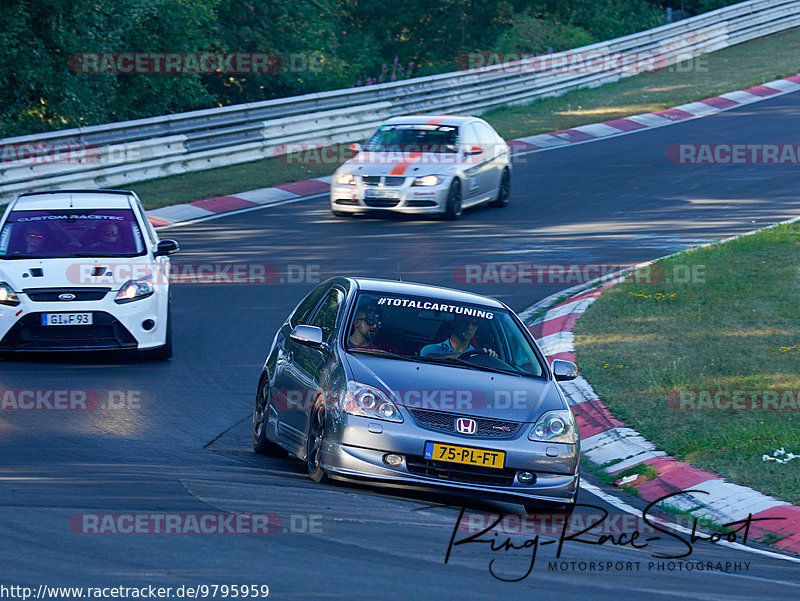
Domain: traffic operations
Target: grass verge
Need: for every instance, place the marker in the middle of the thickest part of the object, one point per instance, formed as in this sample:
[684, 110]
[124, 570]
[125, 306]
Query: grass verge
[733, 68]
[723, 318]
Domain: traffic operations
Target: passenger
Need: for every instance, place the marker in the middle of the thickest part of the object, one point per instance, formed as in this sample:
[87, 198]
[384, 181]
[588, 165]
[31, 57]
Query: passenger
[36, 240]
[459, 342]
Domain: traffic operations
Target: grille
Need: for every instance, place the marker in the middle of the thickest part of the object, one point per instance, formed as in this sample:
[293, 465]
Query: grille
[471, 474]
[47, 295]
[421, 203]
[381, 202]
[446, 422]
[388, 180]
[106, 332]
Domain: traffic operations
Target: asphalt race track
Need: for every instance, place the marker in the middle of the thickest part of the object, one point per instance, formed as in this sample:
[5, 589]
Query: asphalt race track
[181, 442]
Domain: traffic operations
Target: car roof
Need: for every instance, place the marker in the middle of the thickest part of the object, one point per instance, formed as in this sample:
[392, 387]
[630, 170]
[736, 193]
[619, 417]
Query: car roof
[455, 120]
[73, 199]
[448, 294]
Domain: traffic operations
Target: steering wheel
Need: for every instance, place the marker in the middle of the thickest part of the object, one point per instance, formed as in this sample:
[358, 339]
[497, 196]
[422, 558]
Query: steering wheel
[473, 353]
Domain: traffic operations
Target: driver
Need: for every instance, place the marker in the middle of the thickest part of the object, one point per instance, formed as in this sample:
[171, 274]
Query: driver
[366, 329]
[458, 343]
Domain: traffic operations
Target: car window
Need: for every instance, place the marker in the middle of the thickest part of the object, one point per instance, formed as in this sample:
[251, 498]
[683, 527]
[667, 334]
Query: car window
[71, 233]
[150, 230]
[413, 138]
[488, 139]
[303, 312]
[469, 137]
[325, 317]
[426, 328]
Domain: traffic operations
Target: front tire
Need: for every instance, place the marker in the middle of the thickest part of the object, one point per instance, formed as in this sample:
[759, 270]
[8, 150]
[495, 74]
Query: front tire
[314, 442]
[261, 444]
[453, 209]
[504, 192]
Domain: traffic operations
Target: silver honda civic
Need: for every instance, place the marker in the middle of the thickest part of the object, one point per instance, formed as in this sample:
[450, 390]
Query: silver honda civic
[425, 164]
[418, 387]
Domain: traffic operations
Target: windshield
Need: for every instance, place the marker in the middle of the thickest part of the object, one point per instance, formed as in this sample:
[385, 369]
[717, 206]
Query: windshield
[71, 233]
[431, 330]
[413, 138]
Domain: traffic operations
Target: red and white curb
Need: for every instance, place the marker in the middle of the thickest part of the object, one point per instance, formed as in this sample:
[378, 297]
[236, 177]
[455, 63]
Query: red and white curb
[691, 110]
[604, 439]
[210, 207]
[264, 197]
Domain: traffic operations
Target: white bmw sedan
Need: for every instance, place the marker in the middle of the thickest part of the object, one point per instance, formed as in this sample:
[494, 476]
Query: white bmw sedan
[83, 270]
[425, 165]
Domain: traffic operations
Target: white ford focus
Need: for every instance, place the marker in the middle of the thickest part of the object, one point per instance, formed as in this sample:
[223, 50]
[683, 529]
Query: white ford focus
[83, 270]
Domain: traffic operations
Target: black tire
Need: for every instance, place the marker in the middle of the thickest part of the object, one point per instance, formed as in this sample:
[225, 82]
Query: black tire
[504, 192]
[314, 442]
[162, 353]
[452, 210]
[262, 444]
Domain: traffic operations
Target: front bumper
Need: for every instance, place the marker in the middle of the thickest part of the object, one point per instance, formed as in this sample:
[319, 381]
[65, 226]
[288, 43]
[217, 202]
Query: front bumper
[115, 326]
[351, 451]
[416, 200]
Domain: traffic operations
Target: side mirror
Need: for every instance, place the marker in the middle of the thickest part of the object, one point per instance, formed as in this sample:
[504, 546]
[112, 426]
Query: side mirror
[564, 370]
[355, 148]
[167, 247]
[310, 336]
[474, 150]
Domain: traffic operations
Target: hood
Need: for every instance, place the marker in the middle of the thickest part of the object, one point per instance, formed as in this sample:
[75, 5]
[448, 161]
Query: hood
[402, 163]
[458, 390]
[74, 272]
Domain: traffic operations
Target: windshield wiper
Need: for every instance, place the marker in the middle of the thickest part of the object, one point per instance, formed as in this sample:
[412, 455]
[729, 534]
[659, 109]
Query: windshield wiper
[376, 352]
[512, 371]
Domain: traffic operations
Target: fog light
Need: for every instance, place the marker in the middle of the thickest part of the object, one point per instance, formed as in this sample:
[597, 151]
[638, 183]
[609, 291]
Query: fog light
[148, 324]
[392, 459]
[526, 477]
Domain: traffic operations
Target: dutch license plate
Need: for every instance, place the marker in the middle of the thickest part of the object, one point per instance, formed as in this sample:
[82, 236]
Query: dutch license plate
[470, 456]
[66, 319]
[394, 194]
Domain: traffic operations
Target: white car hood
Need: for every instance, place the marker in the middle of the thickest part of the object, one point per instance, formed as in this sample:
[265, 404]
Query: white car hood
[76, 272]
[408, 164]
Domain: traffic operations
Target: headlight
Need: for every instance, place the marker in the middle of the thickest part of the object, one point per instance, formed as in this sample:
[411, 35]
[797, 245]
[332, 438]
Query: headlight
[7, 296]
[555, 426]
[427, 180]
[367, 401]
[135, 289]
[345, 179]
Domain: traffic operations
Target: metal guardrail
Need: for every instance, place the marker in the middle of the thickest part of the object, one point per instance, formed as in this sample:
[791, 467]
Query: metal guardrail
[117, 154]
